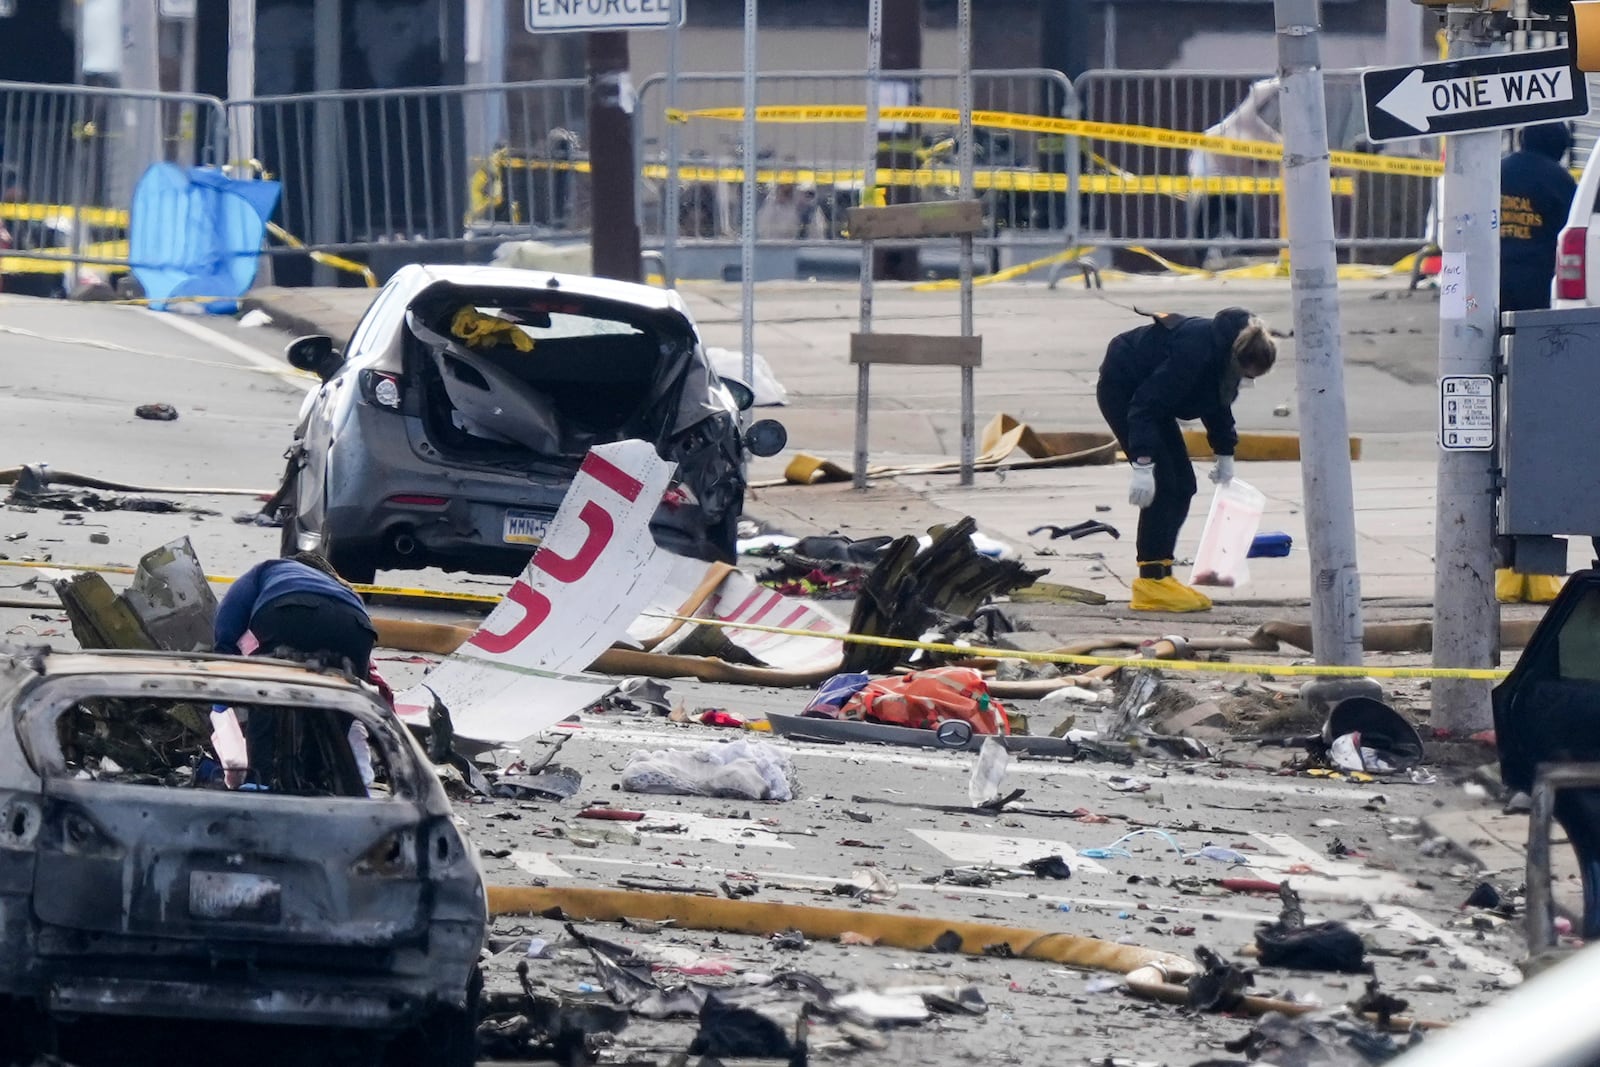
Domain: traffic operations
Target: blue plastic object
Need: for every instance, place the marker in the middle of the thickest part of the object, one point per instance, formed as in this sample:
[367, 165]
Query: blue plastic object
[193, 232]
[1270, 544]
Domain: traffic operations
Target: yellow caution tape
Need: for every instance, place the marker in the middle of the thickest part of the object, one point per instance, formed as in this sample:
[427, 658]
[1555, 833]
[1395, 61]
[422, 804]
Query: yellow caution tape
[109, 255]
[945, 285]
[1126, 133]
[1483, 674]
[94, 216]
[1192, 666]
[1007, 179]
[228, 579]
[349, 266]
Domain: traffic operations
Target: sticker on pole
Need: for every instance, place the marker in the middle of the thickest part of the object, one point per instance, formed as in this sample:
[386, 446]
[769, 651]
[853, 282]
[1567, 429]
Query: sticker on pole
[584, 16]
[1466, 412]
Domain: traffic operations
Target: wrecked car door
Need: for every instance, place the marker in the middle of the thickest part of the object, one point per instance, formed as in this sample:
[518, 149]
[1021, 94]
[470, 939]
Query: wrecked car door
[19, 828]
[1547, 711]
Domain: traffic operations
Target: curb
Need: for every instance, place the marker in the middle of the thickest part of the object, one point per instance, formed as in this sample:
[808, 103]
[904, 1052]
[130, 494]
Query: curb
[292, 321]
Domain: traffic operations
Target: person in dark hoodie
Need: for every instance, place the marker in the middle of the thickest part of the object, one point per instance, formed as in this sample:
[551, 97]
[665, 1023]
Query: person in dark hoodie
[298, 607]
[1536, 193]
[1178, 367]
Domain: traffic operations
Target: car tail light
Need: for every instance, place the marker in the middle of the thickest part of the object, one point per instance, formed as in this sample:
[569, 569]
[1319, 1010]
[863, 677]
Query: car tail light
[419, 500]
[679, 496]
[70, 831]
[1572, 264]
[382, 390]
[19, 823]
[394, 856]
[444, 849]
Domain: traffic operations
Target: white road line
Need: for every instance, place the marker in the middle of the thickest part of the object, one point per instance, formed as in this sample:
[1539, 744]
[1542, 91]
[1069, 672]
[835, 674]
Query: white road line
[1001, 851]
[538, 864]
[251, 355]
[1408, 921]
[701, 828]
[1354, 881]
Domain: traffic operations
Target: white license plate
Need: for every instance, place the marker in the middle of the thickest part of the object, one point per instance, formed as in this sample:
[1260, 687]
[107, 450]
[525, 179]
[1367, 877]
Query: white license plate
[238, 897]
[525, 527]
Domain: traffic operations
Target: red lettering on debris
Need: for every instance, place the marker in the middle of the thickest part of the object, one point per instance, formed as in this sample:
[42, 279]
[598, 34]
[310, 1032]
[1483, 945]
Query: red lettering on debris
[612, 477]
[536, 608]
[598, 520]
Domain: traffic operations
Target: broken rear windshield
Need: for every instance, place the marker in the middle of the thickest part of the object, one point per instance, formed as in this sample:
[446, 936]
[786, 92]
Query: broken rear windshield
[259, 749]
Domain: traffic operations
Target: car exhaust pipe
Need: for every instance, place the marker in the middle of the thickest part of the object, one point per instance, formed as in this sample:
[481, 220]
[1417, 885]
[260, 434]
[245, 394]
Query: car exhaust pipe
[404, 544]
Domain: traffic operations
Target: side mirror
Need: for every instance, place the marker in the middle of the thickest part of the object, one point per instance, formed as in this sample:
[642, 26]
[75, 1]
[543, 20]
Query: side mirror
[744, 397]
[766, 437]
[314, 353]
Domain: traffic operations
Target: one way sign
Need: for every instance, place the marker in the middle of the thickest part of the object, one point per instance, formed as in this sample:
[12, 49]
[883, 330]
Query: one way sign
[1482, 93]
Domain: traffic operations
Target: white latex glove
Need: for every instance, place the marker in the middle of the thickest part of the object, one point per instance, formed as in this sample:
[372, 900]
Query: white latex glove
[1222, 473]
[1142, 486]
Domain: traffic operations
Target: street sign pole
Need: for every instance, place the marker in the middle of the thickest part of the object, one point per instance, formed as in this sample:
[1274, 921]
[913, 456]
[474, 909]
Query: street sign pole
[1465, 617]
[1319, 362]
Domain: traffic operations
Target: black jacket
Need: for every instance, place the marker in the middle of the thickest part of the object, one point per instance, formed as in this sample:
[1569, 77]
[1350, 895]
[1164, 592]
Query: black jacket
[1535, 193]
[1177, 368]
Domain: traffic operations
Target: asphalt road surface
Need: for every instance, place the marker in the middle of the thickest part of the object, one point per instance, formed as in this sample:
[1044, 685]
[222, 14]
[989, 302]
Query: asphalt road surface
[70, 378]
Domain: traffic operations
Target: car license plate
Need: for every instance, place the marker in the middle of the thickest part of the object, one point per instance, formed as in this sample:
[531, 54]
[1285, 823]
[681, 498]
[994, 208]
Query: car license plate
[525, 527]
[236, 897]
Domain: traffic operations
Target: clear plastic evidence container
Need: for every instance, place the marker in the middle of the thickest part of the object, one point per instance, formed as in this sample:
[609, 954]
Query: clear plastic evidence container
[1231, 525]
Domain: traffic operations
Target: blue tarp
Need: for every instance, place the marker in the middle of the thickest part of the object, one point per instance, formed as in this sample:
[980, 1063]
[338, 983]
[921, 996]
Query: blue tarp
[196, 233]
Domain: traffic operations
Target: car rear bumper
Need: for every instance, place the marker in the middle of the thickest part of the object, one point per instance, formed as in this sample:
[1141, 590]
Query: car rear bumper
[291, 1000]
[470, 530]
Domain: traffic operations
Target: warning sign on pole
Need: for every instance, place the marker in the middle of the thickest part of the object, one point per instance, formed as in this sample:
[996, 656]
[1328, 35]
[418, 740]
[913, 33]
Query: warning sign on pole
[1466, 413]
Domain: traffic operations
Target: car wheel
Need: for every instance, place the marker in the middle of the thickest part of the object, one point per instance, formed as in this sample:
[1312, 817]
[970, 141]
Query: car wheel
[724, 535]
[354, 565]
[448, 1038]
[289, 540]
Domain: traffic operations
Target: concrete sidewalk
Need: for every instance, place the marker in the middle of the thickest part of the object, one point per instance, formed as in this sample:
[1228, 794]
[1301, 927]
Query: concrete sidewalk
[1042, 350]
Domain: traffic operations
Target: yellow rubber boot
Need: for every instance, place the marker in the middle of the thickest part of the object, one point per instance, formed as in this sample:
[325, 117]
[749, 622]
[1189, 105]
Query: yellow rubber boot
[1167, 594]
[1543, 588]
[1509, 586]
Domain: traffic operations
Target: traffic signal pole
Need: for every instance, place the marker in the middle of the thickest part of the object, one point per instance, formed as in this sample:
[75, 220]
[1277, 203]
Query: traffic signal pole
[1319, 361]
[1466, 618]
[614, 230]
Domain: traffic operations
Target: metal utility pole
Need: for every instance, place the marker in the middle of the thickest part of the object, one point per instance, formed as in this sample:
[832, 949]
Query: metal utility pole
[1466, 619]
[747, 255]
[902, 50]
[868, 253]
[1319, 361]
[614, 229]
[672, 198]
[241, 85]
[138, 123]
[327, 77]
[967, 153]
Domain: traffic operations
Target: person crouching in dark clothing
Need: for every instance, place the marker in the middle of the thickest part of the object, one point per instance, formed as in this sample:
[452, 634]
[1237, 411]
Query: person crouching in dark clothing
[1178, 367]
[296, 607]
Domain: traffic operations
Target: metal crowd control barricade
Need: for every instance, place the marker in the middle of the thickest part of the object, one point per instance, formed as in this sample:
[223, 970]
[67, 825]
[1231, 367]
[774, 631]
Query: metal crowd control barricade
[962, 218]
[424, 168]
[811, 168]
[70, 157]
[1141, 190]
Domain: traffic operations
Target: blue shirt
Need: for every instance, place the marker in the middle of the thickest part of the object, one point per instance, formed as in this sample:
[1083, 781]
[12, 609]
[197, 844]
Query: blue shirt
[261, 585]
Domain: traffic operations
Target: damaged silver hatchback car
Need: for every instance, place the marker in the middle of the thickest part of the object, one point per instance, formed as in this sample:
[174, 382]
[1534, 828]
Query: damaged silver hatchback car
[447, 431]
[145, 876]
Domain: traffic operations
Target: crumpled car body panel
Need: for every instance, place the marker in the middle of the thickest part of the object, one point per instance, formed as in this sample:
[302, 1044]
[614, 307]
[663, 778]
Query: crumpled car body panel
[170, 902]
[422, 484]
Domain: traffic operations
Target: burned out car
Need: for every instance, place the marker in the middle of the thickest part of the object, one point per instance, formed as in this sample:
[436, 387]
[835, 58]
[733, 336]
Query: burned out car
[448, 430]
[145, 875]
